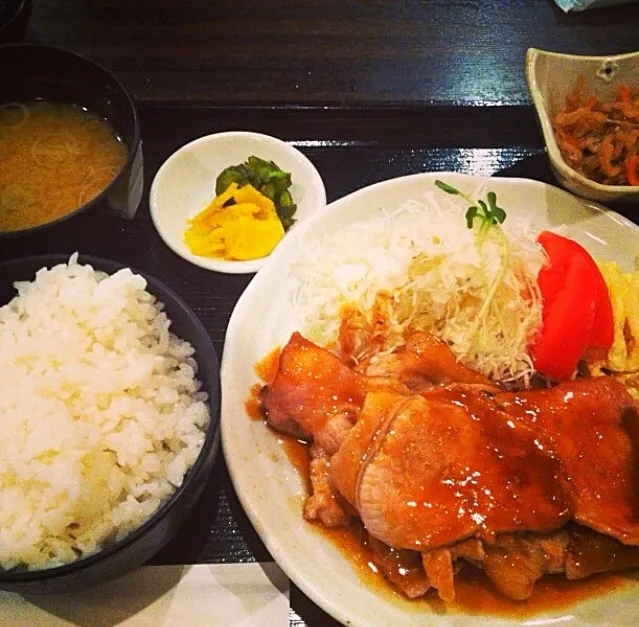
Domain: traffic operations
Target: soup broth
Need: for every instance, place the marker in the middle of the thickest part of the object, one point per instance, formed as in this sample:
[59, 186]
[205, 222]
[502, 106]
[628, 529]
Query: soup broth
[54, 158]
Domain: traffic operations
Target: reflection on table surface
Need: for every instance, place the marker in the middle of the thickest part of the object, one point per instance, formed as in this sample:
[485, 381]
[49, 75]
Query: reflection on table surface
[415, 52]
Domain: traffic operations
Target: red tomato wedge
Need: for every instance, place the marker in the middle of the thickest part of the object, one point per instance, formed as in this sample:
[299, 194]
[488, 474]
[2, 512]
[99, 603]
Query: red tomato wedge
[559, 249]
[577, 312]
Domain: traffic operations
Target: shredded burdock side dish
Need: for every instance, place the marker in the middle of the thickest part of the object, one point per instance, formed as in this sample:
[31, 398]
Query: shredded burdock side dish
[601, 139]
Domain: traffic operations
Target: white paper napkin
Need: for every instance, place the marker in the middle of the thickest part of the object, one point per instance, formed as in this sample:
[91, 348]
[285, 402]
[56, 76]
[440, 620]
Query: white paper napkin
[583, 5]
[211, 595]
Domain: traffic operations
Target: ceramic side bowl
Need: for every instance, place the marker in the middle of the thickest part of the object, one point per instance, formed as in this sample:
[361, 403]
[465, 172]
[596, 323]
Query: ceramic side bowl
[551, 76]
[185, 184]
[14, 19]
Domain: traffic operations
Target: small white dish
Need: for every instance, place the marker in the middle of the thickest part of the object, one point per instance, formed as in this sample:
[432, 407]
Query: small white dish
[185, 184]
[551, 76]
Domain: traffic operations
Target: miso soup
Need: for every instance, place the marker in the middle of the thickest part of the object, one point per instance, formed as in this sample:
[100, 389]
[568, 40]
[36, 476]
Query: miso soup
[54, 158]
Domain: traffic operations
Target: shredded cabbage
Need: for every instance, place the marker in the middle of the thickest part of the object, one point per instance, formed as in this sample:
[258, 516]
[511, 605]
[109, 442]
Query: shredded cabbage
[425, 257]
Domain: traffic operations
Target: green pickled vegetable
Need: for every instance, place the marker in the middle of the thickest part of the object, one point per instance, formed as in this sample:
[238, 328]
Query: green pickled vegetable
[268, 179]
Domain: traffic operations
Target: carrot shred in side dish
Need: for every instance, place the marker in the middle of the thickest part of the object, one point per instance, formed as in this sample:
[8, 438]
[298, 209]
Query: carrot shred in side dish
[601, 139]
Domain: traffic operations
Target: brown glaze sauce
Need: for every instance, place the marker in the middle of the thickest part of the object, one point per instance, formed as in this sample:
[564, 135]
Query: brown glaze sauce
[252, 403]
[265, 370]
[474, 593]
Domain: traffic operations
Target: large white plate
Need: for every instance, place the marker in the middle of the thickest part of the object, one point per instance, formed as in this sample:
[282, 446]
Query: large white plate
[266, 483]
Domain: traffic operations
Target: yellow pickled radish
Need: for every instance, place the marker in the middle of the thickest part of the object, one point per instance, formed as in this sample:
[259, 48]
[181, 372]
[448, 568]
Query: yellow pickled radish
[239, 224]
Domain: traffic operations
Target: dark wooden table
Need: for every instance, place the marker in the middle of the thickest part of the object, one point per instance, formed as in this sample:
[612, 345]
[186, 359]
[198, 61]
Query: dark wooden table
[368, 90]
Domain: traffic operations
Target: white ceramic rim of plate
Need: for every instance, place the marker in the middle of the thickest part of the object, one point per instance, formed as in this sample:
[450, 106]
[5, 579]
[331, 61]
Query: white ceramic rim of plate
[251, 490]
[314, 185]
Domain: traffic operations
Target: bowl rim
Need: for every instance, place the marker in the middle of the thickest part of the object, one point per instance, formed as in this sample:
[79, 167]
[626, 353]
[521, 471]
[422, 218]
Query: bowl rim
[227, 266]
[543, 115]
[132, 150]
[18, 13]
[211, 444]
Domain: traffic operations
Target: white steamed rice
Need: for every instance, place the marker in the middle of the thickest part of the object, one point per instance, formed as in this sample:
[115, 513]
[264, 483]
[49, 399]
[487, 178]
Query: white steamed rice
[101, 413]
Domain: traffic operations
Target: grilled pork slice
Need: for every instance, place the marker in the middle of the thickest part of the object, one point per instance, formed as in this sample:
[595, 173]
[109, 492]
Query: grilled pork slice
[441, 565]
[426, 472]
[592, 426]
[423, 362]
[402, 568]
[512, 562]
[446, 466]
[315, 396]
[460, 461]
[325, 504]
[311, 387]
[380, 407]
[465, 471]
[591, 552]
[515, 562]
